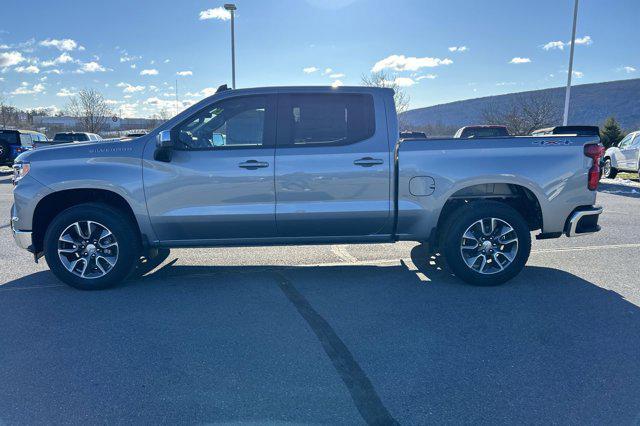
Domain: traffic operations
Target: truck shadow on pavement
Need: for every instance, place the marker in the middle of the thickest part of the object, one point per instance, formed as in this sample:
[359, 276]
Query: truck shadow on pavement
[205, 344]
[619, 189]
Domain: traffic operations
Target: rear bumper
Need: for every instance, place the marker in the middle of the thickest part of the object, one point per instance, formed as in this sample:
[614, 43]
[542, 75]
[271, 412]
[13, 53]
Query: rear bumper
[583, 221]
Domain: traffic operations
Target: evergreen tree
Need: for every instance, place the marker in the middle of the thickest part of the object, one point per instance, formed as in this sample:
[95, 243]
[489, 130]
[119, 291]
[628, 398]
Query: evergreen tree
[611, 133]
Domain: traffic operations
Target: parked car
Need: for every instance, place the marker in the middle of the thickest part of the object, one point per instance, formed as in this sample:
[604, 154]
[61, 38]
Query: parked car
[212, 176]
[66, 137]
[625, 157]
[568, 130]
[413, 135]
[484, 131]
[15, 142]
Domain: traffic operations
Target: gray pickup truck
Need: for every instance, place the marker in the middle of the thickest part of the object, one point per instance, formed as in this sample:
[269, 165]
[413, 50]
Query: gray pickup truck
[300, 165]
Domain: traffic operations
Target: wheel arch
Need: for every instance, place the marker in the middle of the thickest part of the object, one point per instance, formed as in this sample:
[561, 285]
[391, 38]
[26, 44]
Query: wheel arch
[56, 202]
[521, 198]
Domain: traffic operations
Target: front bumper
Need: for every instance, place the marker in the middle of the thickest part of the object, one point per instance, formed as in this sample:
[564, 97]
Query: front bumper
[22, 238]
[583, 221]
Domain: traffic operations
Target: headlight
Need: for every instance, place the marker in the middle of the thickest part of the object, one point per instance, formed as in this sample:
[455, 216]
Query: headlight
[20, 170]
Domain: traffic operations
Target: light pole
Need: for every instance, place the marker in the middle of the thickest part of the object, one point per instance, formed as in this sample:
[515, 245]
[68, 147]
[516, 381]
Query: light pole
[567, 94]
[232, 8]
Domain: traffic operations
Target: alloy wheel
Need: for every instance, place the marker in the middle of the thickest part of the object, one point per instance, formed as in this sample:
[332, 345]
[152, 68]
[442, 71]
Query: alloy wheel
[489, 245]
[88, 249]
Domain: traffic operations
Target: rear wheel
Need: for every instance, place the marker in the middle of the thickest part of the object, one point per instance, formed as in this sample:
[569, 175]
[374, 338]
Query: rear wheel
[608, 171]
[486, 243]
[91, 246]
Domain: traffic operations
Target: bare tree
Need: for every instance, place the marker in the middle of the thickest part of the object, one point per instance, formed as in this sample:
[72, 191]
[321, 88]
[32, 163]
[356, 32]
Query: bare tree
[382, 79]
[524, 115]
[92, 110]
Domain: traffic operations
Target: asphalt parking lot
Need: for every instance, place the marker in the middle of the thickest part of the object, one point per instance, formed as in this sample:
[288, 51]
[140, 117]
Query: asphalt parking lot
[330, 334]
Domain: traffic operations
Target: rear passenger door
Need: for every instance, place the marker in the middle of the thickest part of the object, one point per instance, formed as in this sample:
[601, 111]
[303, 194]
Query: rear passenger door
[333, 168]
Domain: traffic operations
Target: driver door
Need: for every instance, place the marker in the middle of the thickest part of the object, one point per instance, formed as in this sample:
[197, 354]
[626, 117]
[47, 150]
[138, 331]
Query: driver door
[219, 182]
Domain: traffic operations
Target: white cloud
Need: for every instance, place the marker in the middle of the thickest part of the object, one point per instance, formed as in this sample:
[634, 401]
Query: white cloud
[218, 13]
[327, 71]
[310, 70]
[149, 72]
[65, 44]
[8, 59]
[506, 83]
[429, 76]
[31, 69]
[554, 45]
[128, 88]
[64, 92]
[184, 73]
[4, 46]
[577, 74]
[64, 58]
[458, 49]
[584, 41]
[404, 81]
[53, 71]
[128, 58]
[519, 60]
[90, 67]
[166, 61]
[337, 83]
[25, 90]
[337, 75]
[411, 63]
[628, 69]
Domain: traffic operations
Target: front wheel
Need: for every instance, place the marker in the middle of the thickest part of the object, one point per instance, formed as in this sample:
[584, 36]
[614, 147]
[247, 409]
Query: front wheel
[486, 243]
[608, 172]
[91, 246]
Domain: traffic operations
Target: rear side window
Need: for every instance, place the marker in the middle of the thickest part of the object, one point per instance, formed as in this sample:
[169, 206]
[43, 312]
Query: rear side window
[327, 119]
[25, 140]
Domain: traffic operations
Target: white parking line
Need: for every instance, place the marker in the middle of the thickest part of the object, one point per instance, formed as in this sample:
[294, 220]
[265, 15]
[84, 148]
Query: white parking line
[343, 254]
[580, 248]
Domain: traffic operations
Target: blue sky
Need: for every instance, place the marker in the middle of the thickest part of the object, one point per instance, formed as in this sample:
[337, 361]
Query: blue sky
[440, 51]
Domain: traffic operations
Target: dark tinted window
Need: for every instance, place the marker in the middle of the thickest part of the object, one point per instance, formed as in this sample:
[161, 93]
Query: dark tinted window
[9, 137]
[70, 137]
[232, 123]
[318, 119]
[484, 132]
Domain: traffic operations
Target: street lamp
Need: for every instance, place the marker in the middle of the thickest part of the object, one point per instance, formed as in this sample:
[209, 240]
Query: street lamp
[567, 94]
[231, 8]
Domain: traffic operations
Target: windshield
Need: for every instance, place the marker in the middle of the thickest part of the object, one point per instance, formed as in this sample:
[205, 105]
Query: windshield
[70, 137]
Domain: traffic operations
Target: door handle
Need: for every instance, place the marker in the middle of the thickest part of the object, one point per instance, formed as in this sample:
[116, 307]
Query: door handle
[253, 164]
[368, 162]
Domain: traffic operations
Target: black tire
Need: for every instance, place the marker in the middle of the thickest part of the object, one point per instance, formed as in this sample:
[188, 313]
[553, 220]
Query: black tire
[609, 172]
[120, 226]
[462, 220]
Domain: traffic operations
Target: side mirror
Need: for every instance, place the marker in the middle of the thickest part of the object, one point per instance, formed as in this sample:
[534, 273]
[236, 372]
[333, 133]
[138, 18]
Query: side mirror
[164, 146]
[164, 139]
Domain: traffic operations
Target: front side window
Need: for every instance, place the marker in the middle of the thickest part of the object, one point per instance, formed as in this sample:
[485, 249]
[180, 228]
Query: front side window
[625, 142]
[230, 123]
[328, 119]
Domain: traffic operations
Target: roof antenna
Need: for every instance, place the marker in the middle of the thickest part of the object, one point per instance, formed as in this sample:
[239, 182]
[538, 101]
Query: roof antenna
[222, 88]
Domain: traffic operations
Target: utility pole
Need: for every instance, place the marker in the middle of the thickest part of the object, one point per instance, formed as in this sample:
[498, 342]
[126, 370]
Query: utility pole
[232, 8]
[567, 95]
[176, 96]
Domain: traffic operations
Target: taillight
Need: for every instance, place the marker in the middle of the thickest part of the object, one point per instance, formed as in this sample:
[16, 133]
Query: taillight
[595, 152]
[20, 149]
